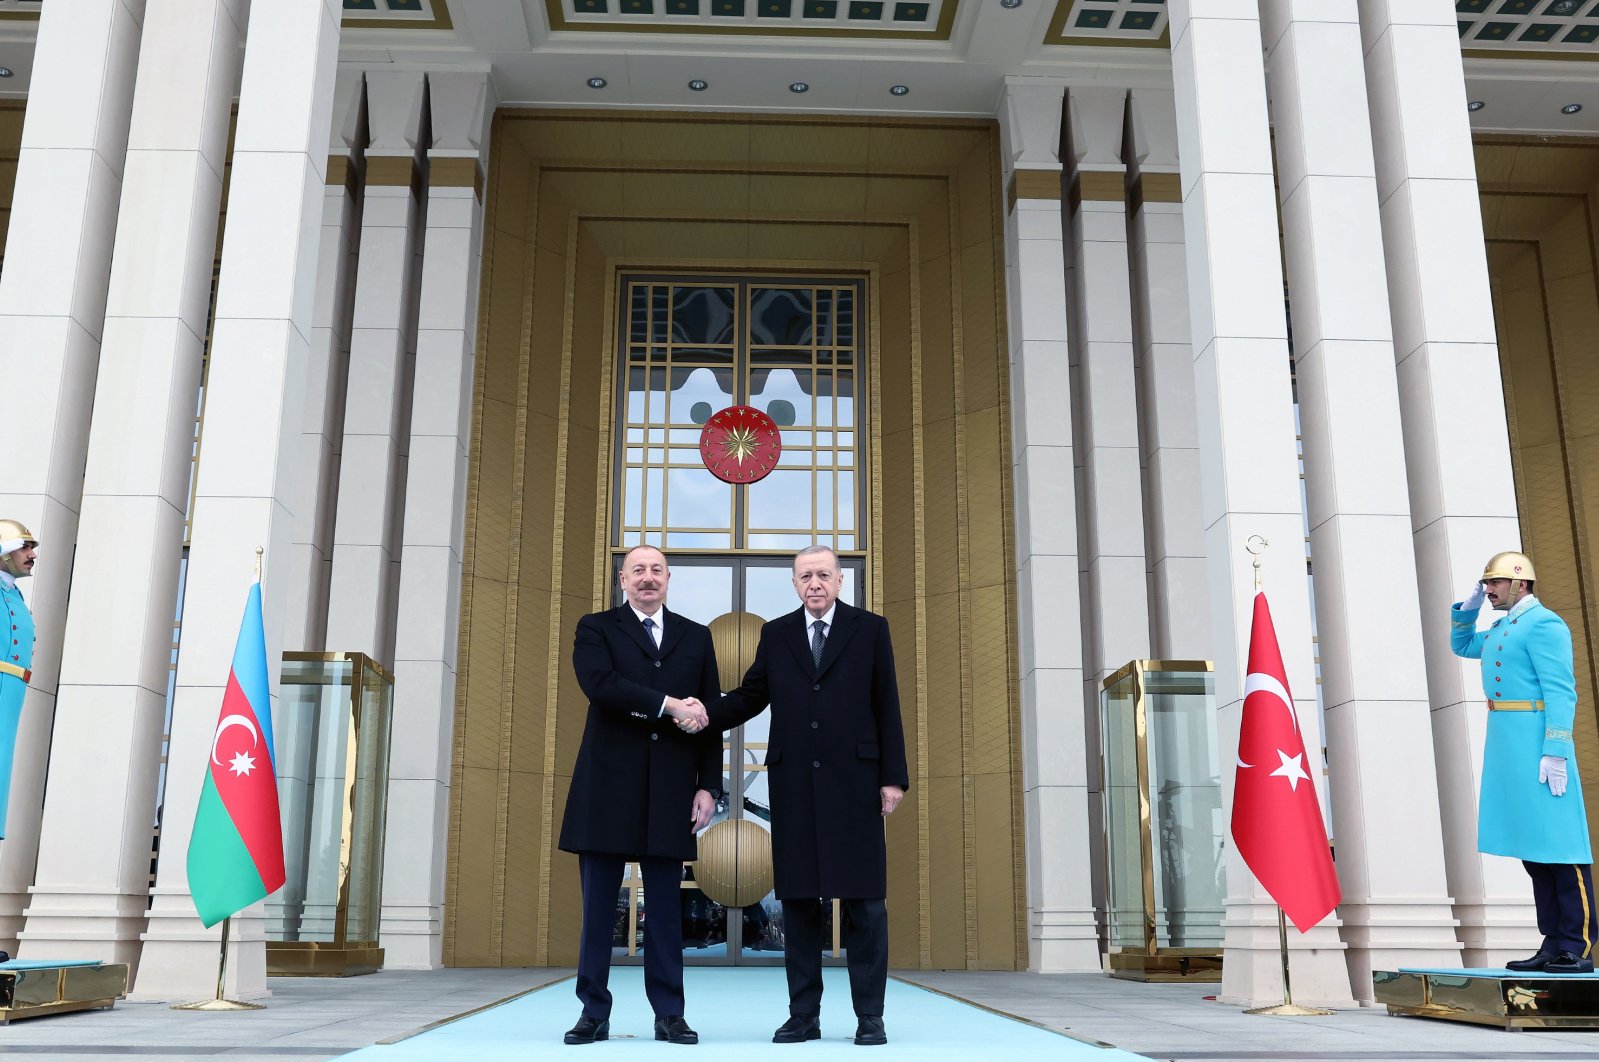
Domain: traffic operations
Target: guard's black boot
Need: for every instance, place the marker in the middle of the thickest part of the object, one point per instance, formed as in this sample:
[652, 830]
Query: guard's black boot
[588, 1029]
[797, 1029]
[1567, 963]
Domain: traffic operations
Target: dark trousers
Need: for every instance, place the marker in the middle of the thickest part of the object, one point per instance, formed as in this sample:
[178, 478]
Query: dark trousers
[663, 932]
[865, 937]
[1563, 893]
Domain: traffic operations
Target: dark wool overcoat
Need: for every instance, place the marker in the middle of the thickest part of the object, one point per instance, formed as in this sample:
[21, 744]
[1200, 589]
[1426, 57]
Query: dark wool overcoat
[633, 785]
[835, 740]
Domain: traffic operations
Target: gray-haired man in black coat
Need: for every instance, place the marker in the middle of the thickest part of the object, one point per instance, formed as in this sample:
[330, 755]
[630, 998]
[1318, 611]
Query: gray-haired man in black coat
[836, 767]
[647, 778]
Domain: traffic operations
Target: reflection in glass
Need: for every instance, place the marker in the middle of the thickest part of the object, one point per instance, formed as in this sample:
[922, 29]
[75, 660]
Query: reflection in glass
[695, 498]
[780, 501]
[332, 762]
[780, 316]
[713, 387]
[702, 315]
[1163, 815]
[788, 385]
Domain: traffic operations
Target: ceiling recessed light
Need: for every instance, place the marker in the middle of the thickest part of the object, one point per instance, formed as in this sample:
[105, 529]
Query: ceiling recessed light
[799, 86]
[1571, 108]
[699, 86]
[1564, 7]
[1475, 105]
[1010, 5]
[899, 90]
[5, 71]
[597, 82]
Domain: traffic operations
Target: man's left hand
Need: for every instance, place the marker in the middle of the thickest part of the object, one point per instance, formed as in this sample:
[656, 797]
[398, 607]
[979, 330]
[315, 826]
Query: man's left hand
[892, 795]
[704, 808]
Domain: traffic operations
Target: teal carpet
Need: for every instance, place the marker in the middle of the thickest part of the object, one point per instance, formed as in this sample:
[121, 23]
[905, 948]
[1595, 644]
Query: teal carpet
[735, 1012]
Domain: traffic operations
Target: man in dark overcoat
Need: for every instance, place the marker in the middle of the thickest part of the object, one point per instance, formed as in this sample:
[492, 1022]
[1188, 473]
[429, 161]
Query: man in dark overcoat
[647, 778]
[835, 767]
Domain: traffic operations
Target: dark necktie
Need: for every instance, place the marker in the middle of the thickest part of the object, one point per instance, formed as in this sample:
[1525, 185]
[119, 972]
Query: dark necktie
[818, 640]
[649, 629]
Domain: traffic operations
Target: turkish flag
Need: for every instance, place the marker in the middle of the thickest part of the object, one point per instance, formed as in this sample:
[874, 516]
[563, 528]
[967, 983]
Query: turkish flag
[1277, 822]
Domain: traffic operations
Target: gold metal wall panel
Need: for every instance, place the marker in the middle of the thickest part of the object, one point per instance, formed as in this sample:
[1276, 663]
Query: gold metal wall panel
[1539, 218]
[573, 198]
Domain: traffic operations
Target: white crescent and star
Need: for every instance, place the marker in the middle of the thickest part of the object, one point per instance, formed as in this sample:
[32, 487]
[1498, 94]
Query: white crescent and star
[1292, 768]
[241, 764]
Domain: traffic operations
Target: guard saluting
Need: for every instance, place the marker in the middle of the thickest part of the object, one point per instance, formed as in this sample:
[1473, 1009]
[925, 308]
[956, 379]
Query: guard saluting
[1531, 805]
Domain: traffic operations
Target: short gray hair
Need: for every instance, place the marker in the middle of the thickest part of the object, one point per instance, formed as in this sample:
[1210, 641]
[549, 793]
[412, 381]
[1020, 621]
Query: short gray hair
[810, 551]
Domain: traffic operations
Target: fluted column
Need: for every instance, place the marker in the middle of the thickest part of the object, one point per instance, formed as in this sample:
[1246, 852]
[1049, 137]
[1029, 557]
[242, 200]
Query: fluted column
[371, 494]
[247, 473]
[52, 307]
[428, 623]
[322, 428]
[1103, 383]
[92, 884]
[1462, 491]
[1248, 456]
[1179, 626]
[1061, 933]
[1396, 906]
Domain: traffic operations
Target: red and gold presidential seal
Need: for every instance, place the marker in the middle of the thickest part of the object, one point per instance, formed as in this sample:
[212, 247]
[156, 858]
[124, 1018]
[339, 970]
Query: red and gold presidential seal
[740, 444]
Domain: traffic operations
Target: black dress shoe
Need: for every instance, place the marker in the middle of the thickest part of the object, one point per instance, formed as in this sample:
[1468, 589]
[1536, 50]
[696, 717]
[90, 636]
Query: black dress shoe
[588, 1029]
[1567, 963]
[869, 1031]
[797, 1029]
[1537, 962]
[674, 1029]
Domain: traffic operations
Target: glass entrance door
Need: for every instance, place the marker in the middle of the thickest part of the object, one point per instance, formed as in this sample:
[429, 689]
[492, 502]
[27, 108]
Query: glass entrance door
[687, 346]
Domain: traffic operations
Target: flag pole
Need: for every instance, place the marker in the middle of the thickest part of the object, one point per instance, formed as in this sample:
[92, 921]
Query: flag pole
[221, 1002]
[1255, 545]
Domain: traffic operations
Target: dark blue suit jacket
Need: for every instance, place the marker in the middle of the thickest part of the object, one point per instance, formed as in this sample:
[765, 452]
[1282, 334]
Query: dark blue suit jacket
[633, 784]
[836, 739]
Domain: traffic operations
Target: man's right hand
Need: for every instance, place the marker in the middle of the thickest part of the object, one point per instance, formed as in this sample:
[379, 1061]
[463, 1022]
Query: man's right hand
[689, 713]
[1474, 598]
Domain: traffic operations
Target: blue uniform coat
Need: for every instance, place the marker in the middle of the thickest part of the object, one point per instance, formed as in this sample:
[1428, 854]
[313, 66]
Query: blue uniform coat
[12, 689]
[633, 785]
[1526, 656]
[836, 738]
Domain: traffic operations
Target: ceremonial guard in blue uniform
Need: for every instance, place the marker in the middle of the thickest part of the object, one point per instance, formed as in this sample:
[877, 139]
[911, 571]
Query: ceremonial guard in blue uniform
[17, 552]
[1531, 805]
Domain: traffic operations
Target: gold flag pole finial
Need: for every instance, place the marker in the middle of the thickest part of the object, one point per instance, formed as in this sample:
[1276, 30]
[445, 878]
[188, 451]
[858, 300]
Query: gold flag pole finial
[259, 553]
[1255, 545]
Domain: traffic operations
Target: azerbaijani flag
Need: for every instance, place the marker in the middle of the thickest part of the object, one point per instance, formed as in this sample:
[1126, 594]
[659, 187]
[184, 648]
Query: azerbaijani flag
[236, 850]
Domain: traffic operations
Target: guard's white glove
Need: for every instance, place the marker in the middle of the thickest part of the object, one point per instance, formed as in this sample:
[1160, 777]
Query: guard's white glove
[1552, 770]
[1474, 598]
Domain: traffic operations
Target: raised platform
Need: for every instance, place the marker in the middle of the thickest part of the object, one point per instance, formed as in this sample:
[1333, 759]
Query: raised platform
[1495, 997]
[32, 988]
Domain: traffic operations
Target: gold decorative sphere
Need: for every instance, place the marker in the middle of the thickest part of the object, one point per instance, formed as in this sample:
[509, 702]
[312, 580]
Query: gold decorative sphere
[735, 863]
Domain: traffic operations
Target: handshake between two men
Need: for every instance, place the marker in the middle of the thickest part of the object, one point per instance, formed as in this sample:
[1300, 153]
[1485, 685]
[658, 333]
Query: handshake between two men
[689, 712]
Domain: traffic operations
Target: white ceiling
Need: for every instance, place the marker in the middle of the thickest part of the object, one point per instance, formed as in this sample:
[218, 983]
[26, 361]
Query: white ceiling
[961, 76]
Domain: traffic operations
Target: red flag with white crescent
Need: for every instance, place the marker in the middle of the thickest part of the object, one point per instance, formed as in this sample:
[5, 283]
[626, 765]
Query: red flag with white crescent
[1277, 821]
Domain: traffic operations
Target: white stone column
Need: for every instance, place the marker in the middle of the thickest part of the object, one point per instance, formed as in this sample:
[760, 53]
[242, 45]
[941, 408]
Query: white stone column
[322, 428]
[1179, 609]
[371, 491]
[92, 883]
[1462, 491]
[1062, 932]
[52, 308]
[1248, 460]
[247, 472]
[435, 520]
[1396, 907]
[1106, 447]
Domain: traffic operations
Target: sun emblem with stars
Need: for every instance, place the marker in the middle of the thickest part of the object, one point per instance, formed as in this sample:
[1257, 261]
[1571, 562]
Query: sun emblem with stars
[740, 444]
